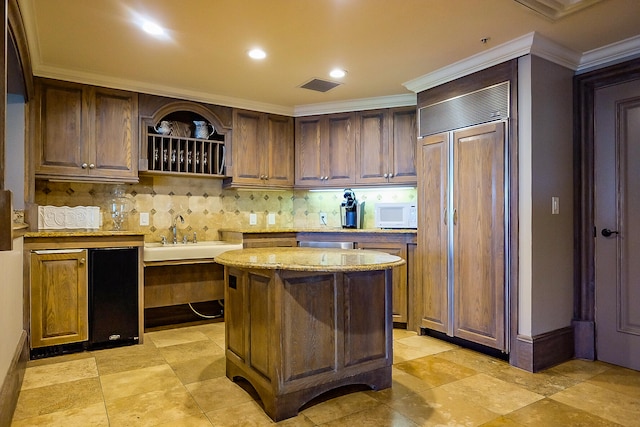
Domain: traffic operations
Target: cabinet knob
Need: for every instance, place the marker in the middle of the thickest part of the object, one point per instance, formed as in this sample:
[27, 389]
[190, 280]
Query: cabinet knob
[91, 166]
[266, 177]
[386, 175]
[82, 260]
[84, 166]
[390, 175]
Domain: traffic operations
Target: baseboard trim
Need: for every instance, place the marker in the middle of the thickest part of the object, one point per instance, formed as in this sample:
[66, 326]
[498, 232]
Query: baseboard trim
[545, 350]
[585, 339]
[13, 381]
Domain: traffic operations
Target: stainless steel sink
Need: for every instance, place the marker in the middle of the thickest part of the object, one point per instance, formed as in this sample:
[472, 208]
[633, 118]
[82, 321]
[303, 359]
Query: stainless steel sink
[205, 249]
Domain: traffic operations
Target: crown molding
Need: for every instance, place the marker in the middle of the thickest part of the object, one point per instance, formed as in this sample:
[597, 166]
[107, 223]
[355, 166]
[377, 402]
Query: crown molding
[356, 105]
[607, 55]
[532, 43]
[154, 89]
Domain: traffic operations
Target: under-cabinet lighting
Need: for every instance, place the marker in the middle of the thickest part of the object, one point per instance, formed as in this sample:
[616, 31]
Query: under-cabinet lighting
[390, 188]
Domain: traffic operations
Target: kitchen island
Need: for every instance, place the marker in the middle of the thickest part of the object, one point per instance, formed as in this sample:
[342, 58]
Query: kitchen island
[302, 321]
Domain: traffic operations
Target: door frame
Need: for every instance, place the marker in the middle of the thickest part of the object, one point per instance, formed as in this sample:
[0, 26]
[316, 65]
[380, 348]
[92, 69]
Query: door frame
[584, 86]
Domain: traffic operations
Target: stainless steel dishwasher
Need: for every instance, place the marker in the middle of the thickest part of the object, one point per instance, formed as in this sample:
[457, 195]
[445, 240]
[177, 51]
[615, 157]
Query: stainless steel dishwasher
[338, 245]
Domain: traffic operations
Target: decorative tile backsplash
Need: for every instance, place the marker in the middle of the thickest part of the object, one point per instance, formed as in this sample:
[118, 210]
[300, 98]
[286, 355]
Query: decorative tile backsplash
[207, 207]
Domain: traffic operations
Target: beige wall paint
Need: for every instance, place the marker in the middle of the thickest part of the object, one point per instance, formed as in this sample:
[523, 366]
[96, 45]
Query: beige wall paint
[11, 304]
[207, 207]
[546, 170]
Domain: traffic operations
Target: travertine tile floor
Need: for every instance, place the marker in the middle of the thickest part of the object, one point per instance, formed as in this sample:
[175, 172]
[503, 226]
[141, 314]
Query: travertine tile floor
[177, 378]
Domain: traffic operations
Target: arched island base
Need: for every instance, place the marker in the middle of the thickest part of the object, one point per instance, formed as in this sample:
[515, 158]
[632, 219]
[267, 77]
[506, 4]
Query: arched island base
[298, 327]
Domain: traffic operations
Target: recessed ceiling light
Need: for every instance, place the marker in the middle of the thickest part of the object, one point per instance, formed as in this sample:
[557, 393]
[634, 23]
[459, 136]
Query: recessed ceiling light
[257, 53]
[337, 73]
[152, 28]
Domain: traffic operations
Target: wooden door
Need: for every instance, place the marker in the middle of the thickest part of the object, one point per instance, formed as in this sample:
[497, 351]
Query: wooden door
[402, 149]
[113, 134]
[399, 285]
[59, 300]
[279, 159]
[373, 147]
[478, 235]
[617, 209]
[339, 150]
[60, 111]
[308, 152]
[249, 149]
[432, 294]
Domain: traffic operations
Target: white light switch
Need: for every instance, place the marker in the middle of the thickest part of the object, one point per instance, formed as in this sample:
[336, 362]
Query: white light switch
[555, 205]
[271, 218]
[253, 219]
[144, 218]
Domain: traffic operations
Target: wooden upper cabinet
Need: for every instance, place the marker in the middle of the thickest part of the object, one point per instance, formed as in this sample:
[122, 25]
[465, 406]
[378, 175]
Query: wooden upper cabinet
[386, 148]
[262, 150]
[325, 150]
[84, 132]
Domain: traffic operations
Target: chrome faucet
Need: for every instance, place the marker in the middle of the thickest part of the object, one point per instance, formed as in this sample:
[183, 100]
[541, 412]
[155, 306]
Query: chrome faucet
[174, 228]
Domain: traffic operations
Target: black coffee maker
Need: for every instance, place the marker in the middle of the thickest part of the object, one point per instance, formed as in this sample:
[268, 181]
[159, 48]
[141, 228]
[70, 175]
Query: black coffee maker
[351, 210]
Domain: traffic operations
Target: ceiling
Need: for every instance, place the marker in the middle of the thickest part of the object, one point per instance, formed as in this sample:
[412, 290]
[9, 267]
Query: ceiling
[382, 44]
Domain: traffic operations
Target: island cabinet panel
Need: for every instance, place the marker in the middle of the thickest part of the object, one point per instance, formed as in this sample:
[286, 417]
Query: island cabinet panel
[260, 323]
[297, 334]
[364, 325]
[309, 325]
[59, 298]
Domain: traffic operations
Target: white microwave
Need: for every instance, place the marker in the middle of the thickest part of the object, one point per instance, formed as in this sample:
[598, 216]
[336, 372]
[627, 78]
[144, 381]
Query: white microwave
[396, 215]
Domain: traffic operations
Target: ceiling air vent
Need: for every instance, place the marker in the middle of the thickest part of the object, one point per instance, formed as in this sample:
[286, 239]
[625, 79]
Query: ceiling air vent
[319, 85]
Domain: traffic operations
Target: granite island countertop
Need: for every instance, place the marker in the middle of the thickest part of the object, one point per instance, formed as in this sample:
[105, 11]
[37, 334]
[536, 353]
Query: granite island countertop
[309, 259]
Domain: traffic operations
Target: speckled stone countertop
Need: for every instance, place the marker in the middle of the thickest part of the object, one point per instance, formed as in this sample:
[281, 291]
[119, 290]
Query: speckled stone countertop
[249, 230]
[81, 233]
[309, 259]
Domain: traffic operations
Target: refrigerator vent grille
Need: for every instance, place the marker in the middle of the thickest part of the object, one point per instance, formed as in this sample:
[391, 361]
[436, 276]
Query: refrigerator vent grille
[485, 105]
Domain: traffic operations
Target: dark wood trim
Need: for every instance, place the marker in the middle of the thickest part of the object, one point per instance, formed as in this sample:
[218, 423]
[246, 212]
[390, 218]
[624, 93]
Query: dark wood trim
[6, 221]
[584, 87]
[545, 350]
[19, 36]
[13, 381]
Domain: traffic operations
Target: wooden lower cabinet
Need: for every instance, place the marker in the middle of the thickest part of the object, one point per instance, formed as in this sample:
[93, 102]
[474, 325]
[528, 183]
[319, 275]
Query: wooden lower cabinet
[59, 297]
[399, 298]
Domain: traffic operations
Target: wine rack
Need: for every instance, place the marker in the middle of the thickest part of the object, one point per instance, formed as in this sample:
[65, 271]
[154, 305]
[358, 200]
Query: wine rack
[185, 155]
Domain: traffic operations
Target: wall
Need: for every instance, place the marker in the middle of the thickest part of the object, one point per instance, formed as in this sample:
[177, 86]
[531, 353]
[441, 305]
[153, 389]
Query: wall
[207, 207]
[11, 295]
[546, 170]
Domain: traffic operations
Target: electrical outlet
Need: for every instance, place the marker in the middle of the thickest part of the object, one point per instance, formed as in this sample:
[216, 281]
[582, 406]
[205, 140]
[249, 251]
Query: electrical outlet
[323, 218]
[253, 219]
[271, 218]
[144, 218]
[555, 205]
